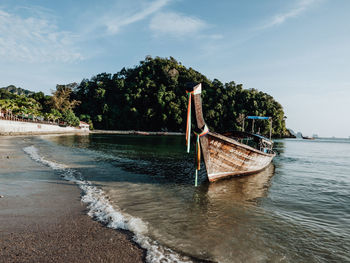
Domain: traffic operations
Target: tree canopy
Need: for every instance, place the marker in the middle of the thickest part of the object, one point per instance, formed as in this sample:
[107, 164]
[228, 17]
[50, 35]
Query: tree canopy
[59, 106]
[151, 96]
[60, 99]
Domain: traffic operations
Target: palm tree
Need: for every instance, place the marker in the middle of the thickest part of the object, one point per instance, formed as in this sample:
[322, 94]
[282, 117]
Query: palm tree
[5, 104]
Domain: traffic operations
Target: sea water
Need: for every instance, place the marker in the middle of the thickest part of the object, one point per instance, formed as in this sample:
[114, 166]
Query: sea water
[297, 210]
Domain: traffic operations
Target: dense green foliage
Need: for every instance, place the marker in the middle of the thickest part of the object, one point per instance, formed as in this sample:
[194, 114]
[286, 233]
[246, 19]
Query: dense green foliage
[70, 118]
[21, 105]
[40, 106]
[16, 91]
[151, 97]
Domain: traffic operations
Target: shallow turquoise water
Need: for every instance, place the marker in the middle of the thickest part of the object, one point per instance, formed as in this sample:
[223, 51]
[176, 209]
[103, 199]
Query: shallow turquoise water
[297, 210]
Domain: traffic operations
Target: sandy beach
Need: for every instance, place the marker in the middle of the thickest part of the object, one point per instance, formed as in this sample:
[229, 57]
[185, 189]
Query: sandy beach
[43, 220]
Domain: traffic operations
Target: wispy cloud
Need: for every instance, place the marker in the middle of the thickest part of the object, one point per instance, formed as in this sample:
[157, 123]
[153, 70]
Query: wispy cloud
[175, 24]
[301, 6]
[115, 23]
[35, 38]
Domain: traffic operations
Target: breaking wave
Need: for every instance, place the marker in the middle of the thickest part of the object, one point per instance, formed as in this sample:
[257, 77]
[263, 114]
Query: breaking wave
[101, 210]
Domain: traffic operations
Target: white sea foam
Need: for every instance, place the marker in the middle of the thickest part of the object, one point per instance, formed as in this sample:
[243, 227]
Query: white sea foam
[100, 209]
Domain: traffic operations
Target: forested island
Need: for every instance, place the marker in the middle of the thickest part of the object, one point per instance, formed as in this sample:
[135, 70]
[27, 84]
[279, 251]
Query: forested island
[150, 97]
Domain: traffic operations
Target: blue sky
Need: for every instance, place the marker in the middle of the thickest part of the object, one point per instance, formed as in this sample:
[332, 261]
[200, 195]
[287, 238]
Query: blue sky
[298, 51]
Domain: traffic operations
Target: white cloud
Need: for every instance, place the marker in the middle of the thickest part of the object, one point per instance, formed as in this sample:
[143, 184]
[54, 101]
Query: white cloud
[176, 24]
[115, 23]
[301, 6]
[35, 38]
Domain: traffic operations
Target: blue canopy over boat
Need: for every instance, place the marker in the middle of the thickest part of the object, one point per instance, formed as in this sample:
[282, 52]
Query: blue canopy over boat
[261, 137]
[257, 118]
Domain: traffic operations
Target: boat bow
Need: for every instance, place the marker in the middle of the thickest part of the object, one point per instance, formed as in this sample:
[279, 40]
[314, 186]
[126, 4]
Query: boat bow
[224, 156]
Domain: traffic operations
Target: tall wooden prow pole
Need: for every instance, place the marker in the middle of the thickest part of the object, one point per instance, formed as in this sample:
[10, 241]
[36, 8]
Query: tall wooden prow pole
[195, 91]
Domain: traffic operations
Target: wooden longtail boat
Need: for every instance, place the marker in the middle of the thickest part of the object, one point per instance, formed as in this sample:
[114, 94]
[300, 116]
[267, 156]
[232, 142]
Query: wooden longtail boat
[226, 155]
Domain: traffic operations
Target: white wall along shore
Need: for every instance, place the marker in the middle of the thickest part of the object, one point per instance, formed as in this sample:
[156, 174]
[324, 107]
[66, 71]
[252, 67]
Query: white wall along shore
[12, 127]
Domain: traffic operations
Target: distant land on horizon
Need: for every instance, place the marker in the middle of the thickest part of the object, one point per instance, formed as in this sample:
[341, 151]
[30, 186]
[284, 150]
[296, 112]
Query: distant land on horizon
[17, 90]
[20, 91]
[28, 93]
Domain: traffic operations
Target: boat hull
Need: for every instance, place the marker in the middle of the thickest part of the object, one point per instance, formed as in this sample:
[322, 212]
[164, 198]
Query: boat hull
[226, 157]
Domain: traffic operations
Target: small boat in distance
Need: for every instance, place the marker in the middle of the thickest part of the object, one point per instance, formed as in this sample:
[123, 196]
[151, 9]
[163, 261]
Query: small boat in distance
[308, 138]
[229, 154]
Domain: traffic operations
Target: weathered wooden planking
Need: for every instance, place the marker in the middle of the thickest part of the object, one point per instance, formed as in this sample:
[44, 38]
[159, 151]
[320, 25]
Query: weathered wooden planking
[200, 124]
[227, 157]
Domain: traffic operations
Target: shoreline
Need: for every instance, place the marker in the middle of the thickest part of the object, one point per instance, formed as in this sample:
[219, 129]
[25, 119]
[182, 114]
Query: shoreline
[118, 132]
[16, 127]
[12, 134]
[43, 219]
[133, 132]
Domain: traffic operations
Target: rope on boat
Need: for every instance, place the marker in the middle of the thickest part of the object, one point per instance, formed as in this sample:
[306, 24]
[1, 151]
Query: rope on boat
[204, 131]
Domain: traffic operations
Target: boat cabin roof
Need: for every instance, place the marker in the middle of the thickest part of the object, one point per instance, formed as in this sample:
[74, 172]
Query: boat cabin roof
[255, 137]
[258, 118]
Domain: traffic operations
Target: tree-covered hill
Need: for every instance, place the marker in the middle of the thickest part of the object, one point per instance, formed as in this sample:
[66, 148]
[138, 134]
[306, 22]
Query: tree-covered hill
[17, 91]
[151, 97]
[38, 106]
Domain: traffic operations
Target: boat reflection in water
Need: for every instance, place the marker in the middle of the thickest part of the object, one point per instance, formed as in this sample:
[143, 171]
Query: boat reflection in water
[234, 220]
[242, 189]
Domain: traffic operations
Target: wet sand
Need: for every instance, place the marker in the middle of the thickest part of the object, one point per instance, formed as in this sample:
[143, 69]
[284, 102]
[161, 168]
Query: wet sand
[43, 220]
